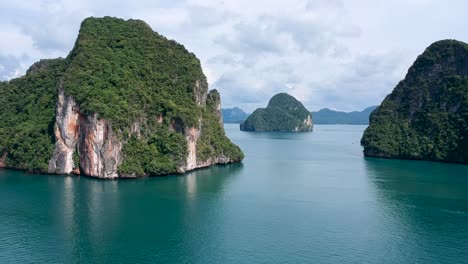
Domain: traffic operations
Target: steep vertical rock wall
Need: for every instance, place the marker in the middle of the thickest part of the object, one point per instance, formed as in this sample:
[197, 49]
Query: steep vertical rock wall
[66, 132]
[192, 135]
[87, 137]
[129, 103]
[2, 160]
[88, 145]
[100, 149]
[308, 122]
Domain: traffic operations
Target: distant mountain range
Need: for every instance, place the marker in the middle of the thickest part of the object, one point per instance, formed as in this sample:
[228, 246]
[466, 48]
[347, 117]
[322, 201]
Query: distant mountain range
[328, 116]
[234, 115]
[323, 116]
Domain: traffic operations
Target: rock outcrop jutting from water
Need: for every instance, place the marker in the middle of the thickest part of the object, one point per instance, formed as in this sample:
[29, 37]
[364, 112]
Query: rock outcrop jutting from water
[426, 115]
[284, 113]
[126, 102]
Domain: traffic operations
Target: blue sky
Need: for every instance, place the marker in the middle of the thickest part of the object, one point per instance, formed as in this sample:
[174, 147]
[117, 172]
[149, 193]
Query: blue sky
[344, 55]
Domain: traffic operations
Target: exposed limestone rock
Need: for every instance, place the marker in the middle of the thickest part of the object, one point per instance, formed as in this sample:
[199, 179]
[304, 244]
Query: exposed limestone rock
[100, 149]
[39, 66]
[160, 119]
[308, 123]
[218, 160]
[67, 126]
[201, 89]
[136, 129]
[2, 160]
[192, 135]
[130, 123]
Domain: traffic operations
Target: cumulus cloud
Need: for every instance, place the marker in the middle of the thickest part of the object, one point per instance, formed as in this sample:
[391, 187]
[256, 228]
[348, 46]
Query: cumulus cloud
[10, 67]
[328, 53]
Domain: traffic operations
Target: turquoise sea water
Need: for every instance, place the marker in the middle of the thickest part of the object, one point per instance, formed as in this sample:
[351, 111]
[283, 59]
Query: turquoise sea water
[297, 198]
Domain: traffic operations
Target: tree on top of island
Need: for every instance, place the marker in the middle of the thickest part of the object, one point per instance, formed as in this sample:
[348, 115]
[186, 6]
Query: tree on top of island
[284, 113]
[426, 115]
[126, 102]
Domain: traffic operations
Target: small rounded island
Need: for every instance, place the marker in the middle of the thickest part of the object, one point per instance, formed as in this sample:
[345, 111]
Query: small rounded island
[284, 113]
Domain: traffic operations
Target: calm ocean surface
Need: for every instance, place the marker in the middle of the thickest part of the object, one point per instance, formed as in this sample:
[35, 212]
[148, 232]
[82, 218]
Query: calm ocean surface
[297, 198]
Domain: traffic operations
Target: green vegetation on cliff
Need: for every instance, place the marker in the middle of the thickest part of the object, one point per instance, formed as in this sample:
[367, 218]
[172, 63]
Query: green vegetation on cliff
[283, 113]
[212, 142]
[162, 153]
[127, 74]
[123, 70]
[426, 115]
[166, 150]
[27, 116]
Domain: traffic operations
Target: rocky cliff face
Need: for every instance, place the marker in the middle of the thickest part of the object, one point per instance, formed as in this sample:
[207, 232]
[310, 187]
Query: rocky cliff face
[117, 106]
[306, 123]
[2, 160]
[100, 150]
[426, 115]
[192, 135]
[83, 139]
[66, 131]
[126, 102]
[88, 145]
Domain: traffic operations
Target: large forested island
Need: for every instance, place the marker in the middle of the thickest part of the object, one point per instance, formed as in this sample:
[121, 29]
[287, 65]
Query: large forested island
[426, 115]
[126, 102]
[284, 113]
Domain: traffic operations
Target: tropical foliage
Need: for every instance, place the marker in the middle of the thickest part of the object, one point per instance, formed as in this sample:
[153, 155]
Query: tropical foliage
[213, 141]
[27, 107]
[126, 73]
[283, 113]
[426, 115]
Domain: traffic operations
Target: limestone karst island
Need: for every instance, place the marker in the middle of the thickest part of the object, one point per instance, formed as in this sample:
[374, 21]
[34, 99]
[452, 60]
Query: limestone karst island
[284, 113]
[126, 102]
[232, 132]
[426, 115]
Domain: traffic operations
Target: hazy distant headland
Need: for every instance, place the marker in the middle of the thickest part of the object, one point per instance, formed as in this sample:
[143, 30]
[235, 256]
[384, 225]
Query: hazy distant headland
[324, 116]
[333, 117]
[234, 115]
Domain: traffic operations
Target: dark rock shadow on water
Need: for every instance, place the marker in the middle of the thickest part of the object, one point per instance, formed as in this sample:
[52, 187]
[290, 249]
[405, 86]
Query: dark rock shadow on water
[423, 205]
[420, 179]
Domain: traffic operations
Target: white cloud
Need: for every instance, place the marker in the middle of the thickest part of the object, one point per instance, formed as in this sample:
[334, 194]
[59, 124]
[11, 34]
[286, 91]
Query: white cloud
[15, 43]
[339, 54]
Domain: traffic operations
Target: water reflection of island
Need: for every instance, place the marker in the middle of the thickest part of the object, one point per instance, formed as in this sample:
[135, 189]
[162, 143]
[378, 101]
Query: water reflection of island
[430, 180]
[162, 213]
[423, 207]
